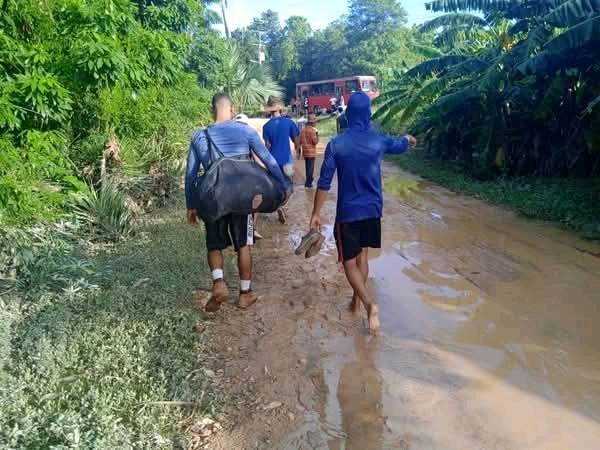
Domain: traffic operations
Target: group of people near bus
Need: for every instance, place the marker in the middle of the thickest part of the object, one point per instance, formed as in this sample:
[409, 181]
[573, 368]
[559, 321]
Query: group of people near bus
[355, 155]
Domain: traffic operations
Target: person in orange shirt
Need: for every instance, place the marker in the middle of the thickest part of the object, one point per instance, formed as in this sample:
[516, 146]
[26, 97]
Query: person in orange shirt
[309, 138]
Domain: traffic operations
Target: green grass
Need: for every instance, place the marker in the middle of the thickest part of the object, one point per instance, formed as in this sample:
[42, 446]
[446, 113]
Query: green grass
[85, 365]
[327, 129]
[573, 203]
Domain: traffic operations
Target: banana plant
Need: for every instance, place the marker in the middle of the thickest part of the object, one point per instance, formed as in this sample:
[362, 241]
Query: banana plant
[516, 78]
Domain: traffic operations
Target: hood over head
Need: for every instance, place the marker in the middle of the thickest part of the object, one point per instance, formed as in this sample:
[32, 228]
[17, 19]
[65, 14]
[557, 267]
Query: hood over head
[358, 111]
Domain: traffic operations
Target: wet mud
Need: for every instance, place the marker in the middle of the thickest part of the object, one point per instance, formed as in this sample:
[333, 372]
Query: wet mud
[489, 340]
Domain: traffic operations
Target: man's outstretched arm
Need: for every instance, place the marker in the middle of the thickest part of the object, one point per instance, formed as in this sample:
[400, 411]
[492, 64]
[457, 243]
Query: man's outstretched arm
[398, 146]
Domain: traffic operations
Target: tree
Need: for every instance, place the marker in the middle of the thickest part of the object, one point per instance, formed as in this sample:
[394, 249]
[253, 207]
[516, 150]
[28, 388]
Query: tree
[372, 40]
[268, 25]
[224, 13]
[250, 85]
[285, 52]
[371, 17]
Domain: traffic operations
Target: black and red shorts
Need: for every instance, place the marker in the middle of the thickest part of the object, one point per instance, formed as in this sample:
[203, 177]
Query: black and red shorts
[236, 230]
[352, 237]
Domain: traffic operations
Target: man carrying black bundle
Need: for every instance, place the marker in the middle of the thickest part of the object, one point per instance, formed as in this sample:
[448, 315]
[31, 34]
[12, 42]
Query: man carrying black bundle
[233, 139]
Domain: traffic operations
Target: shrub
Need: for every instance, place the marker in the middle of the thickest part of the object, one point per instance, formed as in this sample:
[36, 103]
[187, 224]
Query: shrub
[105, 211]
[34, 177]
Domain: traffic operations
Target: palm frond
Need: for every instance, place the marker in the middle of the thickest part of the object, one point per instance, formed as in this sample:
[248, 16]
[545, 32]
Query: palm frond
[453, 20]
[436, 65]
[585, 34]
[512, 9]
[105, 210]
[572, 12]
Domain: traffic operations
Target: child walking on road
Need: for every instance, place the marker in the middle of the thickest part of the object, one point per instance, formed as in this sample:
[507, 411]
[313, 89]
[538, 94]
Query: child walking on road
[309, 138]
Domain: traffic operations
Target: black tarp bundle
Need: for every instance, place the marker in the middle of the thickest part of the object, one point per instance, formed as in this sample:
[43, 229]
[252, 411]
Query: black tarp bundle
[235, 185]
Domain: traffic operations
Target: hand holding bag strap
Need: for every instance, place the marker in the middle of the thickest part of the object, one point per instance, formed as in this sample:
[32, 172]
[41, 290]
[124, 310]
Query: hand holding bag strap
[214, 152]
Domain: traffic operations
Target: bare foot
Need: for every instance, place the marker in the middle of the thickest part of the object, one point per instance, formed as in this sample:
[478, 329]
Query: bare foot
[373, 314]
[354, 306]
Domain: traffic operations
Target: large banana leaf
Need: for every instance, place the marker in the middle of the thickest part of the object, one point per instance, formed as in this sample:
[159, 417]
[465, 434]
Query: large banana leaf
[426, 51]
[572, 12]
[459, 37]
[451, 102]
[471, 65]
[453, 20]
[468, 5]
[582, 35]
[515, 9]
[578, 36]
[436, 65]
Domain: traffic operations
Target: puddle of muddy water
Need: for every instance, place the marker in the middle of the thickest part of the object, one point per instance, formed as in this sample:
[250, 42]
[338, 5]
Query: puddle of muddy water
[489, 335]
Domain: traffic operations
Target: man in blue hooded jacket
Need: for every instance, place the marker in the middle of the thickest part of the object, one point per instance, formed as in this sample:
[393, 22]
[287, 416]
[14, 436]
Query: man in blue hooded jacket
[357, 155]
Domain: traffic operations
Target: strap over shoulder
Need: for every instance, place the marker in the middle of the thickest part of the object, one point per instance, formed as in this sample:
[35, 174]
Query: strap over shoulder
[213, 150]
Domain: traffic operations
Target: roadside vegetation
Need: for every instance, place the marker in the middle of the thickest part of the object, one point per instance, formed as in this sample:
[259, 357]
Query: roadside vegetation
[100, 348]
[98, 99]
[327, 129]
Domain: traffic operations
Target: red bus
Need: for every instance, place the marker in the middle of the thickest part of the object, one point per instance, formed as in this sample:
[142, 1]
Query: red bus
[320, 93]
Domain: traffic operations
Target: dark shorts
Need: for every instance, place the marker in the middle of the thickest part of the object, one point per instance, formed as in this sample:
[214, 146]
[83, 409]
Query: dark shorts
[230, 230]
[352, 237]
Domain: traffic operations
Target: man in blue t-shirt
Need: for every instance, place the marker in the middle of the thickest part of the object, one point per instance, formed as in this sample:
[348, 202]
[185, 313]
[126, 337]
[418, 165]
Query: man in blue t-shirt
[277, 133]
[357, 155]
[233, 139]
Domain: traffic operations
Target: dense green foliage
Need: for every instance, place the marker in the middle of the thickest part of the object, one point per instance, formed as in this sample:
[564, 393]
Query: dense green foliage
[515, 92]
[88, 86]
[98, 351]
[370, 39]
[73, 73]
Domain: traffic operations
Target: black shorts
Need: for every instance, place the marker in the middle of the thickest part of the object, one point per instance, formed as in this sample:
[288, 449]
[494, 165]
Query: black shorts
[352, 237]
[230, 230]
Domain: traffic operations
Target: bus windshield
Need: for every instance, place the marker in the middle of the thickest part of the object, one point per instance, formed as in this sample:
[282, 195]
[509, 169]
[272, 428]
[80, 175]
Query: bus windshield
[369, 85]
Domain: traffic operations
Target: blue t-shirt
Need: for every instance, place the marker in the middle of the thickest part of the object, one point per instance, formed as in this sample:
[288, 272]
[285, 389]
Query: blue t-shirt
[278, 131]
[233, 139]
[357, 157]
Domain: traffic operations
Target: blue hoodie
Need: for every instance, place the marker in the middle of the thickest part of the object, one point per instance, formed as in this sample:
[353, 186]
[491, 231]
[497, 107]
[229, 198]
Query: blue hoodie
[357, 155]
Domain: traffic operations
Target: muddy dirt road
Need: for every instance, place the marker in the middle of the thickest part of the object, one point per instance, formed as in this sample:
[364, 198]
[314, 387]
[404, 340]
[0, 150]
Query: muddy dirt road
[490, 335]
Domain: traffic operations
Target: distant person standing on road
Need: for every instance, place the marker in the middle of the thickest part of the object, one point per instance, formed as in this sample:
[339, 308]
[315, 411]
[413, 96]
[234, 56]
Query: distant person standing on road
[309, 138]
[277, 133]
[357, 155]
